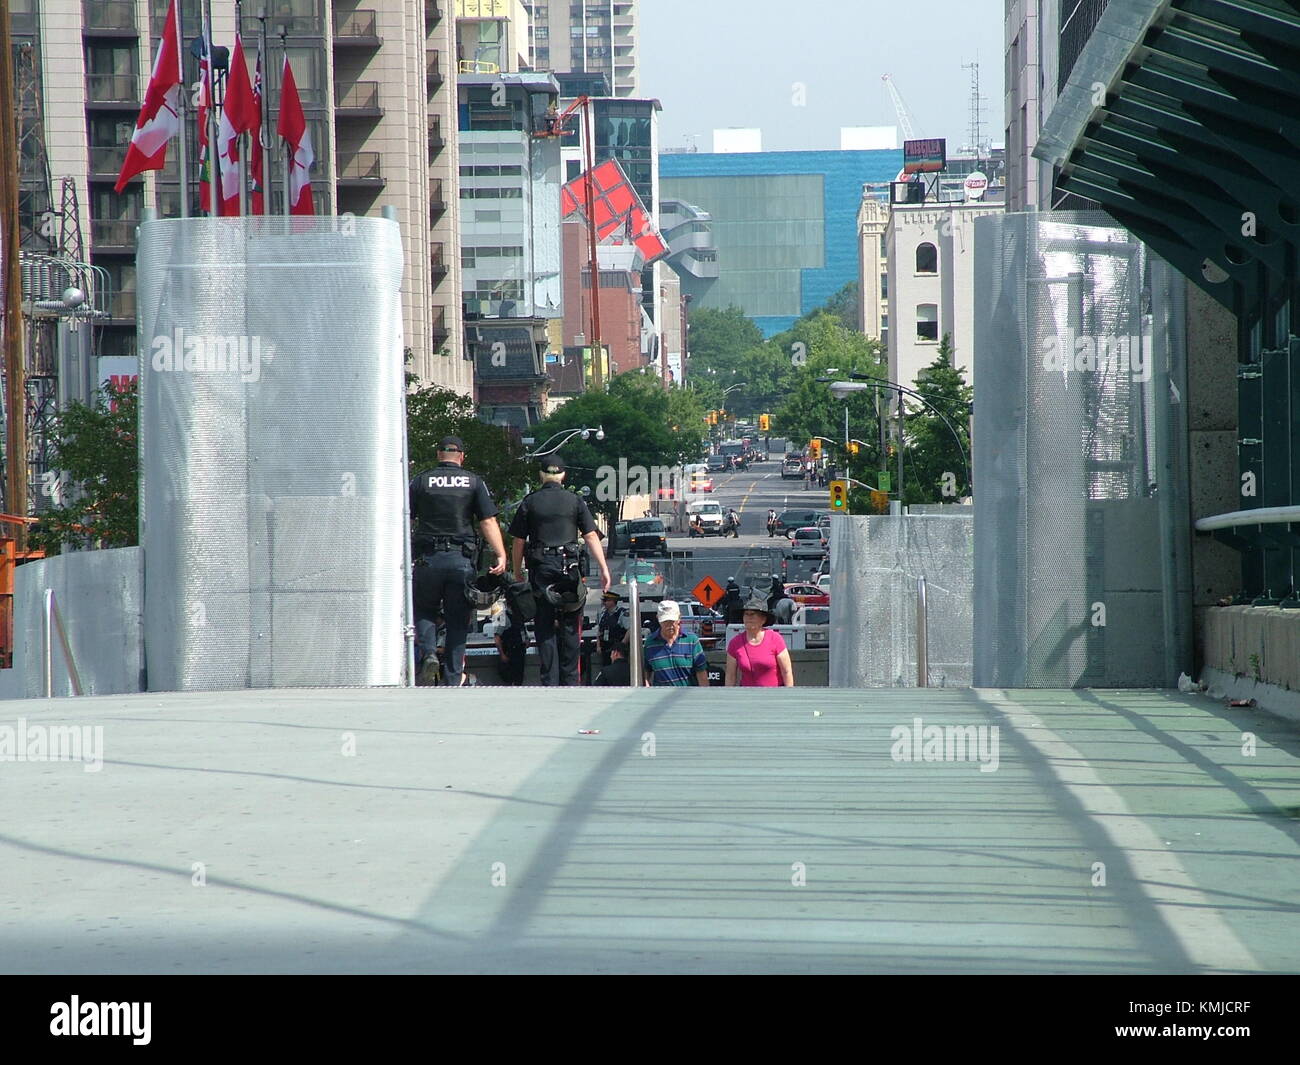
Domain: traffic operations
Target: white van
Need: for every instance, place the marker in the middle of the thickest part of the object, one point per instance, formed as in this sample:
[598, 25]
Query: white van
[710, 515]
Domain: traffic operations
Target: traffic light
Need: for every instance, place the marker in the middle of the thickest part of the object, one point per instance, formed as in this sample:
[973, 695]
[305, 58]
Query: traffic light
[764, 423]
[815, 448]
[839, 497]
[880, 502]
[854, 446]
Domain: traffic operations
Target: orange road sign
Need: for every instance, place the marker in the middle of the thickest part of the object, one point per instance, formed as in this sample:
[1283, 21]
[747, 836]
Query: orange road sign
[708, 591]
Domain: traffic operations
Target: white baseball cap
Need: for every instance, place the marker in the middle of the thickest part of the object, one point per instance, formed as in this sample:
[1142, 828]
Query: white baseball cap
[669, 611]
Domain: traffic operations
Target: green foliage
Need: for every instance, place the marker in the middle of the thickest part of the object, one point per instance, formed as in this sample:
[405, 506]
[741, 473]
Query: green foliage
[932, 451]
[844, 306]
[490, 450]
[98, 496]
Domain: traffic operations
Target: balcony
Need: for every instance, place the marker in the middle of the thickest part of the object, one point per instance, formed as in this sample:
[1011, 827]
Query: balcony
[437, 264]
[432, 12]
[115, 236]
[433, 68]
[359, 29]
[359, 100]
[121, 307]
[436, 140]
[360, 170]
[439, 333]
[437, 205]
[106, 163]
[108, 18]
[113, 91]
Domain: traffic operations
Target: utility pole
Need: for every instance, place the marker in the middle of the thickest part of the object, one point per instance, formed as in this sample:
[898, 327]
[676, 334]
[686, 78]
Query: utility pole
[11, 292]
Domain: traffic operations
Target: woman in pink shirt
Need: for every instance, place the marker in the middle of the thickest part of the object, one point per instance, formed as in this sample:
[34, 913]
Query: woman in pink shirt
[758, 657]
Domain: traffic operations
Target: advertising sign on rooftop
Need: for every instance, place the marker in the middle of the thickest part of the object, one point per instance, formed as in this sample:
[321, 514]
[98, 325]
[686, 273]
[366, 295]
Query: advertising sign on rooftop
[925, 157]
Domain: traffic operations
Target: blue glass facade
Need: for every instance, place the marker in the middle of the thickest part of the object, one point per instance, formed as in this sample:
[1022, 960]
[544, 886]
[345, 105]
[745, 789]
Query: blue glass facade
[808, 249]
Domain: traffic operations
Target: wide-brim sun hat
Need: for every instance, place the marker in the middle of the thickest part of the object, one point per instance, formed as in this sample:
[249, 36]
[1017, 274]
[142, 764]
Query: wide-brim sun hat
[760, 604]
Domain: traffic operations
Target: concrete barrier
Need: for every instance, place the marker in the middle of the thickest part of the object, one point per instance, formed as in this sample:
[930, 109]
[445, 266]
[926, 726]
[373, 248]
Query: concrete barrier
[1258, 643]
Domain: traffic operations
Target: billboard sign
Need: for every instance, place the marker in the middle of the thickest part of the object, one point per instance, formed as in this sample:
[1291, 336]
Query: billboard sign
[925, 156]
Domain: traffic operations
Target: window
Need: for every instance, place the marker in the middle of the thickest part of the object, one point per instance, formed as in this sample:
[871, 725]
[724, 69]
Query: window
[884, 286]
[927, 322]
[927, 259]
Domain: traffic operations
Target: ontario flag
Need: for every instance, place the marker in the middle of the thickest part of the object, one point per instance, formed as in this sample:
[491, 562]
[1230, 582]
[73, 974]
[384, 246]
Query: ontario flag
[240, 114]
[616, 208]
[293, 128]
[160, 115]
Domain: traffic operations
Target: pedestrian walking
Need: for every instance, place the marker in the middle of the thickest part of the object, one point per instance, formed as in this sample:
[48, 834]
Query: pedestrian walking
[549, 530]
[674, 658]
[771, 523]
[447, 503]
[758, 657]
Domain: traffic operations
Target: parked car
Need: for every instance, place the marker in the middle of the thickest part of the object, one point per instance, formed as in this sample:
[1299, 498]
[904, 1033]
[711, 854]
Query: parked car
[807, 595]
[647, 536]
[816, 623]
[789, 520]
[808, 542]
[650, 582]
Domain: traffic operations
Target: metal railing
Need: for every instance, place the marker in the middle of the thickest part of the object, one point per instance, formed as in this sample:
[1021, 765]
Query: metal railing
[361, 166]
[922, 636]
[113, 89]
[108, 14]
[361, 23]
[53, 625]
[634, 645]
[1237, 518]
[477, 66]
[361, 96]
[107, 160]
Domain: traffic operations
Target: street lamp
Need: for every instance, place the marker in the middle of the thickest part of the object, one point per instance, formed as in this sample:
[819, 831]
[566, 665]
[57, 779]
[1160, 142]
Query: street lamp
[567, 435]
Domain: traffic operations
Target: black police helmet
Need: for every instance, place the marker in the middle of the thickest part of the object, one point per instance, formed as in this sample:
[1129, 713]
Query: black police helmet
[483, 591]
[565, 596]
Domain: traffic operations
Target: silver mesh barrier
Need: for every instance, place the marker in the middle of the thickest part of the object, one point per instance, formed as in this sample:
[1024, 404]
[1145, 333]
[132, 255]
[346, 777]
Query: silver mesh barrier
[1080, 457]
[271, 429]
[875, 562]
[100, 596]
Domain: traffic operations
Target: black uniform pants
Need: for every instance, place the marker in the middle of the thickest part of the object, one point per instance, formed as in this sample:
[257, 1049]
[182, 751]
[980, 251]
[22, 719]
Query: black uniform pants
[439, 587]
[559, 633]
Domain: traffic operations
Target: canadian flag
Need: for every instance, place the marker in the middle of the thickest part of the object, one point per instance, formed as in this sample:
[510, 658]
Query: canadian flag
[160, 115]
[293, 128]
[257, 204]
[240, 114]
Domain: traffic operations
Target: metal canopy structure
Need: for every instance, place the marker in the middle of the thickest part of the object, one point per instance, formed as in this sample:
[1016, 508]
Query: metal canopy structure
[1182, 119]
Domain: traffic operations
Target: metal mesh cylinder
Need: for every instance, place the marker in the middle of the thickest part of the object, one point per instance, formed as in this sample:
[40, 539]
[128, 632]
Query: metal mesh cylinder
[271, 421]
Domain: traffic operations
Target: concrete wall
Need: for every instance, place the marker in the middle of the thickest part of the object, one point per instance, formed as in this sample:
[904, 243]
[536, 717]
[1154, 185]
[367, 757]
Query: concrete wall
[100, 596]
[1258, 643]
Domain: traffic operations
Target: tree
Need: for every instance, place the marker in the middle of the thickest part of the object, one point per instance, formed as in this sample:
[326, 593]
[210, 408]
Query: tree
[490, 450]
[844, 306]
[937, 471]
[94, 482]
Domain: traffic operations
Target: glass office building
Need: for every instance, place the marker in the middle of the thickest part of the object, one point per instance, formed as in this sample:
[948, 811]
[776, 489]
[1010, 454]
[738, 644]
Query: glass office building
[784, 224]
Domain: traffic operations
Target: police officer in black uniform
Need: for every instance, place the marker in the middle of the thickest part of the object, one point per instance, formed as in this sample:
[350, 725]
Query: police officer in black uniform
[553, 523]
[446, 503]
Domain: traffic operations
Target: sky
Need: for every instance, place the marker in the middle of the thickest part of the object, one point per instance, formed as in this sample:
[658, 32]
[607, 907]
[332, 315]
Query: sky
[801, 69]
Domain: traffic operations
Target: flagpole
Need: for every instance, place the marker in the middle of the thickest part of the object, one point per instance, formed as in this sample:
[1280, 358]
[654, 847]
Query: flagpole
[284, 145]
[182, 154]
[241, 140]
[264, 133]
[214, 163]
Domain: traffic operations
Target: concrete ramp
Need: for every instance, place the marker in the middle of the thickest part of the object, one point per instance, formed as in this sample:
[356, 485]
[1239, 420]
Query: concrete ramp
[388, 830]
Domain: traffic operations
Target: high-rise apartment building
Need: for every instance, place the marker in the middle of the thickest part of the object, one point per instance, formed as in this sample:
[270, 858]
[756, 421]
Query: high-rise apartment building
[595, 36]
[377, 87]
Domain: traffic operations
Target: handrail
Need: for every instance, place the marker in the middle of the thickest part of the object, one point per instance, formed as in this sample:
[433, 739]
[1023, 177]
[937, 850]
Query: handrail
[54, 625]
[634, 641]
[1258, 516]
[922, 636]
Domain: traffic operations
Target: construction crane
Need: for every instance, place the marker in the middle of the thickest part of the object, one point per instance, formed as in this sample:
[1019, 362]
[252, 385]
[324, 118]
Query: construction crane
[904, 116]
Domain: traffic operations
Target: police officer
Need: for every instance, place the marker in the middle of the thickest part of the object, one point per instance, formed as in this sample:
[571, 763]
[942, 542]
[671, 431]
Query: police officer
[446, 503]
[551, 521]
[611, 627]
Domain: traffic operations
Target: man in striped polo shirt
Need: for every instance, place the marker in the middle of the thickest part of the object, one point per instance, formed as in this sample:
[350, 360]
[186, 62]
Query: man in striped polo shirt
[671, 656]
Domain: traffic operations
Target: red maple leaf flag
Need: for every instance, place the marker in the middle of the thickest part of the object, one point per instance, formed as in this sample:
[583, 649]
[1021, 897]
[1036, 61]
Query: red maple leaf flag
[293, 128]
[160, 114]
